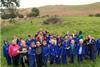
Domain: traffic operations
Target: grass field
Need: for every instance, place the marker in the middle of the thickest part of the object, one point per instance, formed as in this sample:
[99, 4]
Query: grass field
[89, 25]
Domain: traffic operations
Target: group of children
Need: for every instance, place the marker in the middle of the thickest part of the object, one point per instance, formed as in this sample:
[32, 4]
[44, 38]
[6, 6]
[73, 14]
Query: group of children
[37, 50]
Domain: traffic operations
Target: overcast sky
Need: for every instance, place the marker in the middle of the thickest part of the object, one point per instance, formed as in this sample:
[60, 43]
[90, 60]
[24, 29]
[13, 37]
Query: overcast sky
[38, 3]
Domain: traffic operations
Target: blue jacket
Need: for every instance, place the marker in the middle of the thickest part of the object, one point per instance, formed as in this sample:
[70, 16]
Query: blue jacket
[58, 50]
[98, 43]
[19, 43]
[52, 49]
[64, 47]
[83, 49]
[31, 51]
[74, 49]
[33, 40]
[76, 40]
[45, 50]
[47, 39]
[5, 50]
[28, 42]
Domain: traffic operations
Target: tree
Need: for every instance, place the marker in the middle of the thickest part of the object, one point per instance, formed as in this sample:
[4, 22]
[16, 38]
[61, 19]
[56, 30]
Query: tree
[35, 12]
[8, 8]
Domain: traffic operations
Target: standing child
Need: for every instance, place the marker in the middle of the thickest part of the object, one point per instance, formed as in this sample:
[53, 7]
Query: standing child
[13, 53]
[5, 52]
[73, 51]
[58, 53]
[65, 50]
[31, 55]
[93, 50]
[98, 46]
[38, 54]
[52, 51]
[80, 51]
[45, 53]
[23, 53]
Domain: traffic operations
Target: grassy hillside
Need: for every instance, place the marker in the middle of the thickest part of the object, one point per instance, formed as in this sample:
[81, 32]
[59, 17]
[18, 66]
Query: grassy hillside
[89, 25]
[66, 10]
[70, 10]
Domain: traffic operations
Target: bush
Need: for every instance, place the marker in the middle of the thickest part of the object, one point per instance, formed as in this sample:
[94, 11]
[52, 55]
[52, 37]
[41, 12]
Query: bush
[97, 15]
[52, 20]
[7, 16]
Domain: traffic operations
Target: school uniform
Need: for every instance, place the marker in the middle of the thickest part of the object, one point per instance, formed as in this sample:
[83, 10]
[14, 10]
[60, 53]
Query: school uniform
[68, 45]
[52, 52]
[48, 39]
[64, 52]
[28, 42]
[45, 53]
[98, 46]
[33, 40]
[39, 56]
[93, 50]
[73, 52]
[58, 54]
[5, 53]
[19, 43]
[32, 57]
[76, 39]
[80, 53]
[87, 48]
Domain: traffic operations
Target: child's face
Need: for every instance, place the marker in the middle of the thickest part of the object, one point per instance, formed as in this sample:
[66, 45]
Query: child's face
[70, 37]
[13, 42]
[72, 42]
[52, 41]
[14, 37]
[38, 43]
[23, 43]
[66, 37]
[81, 42]
[32, 44]
[44, 43]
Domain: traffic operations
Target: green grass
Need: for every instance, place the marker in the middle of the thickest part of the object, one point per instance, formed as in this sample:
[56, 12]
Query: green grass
[89, 25]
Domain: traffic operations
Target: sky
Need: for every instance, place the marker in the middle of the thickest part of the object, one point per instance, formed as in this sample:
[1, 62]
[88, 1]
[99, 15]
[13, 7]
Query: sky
[39, 3]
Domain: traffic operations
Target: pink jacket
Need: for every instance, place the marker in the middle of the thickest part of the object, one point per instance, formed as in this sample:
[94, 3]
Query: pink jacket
[12, 50]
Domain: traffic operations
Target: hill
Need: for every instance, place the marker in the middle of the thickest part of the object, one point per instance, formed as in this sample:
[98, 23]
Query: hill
[66, 10]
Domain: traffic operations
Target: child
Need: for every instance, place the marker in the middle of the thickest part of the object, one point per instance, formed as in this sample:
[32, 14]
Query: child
[58, 53]
[29, 40]
[52, 51]
[93, 49]
[20, 42]
[65, 50]
[80, 35]
[98, 46]
[80, 51]
[38, 54]
[73, 51]
[31, 55]
[45, 53]
[13, 53]
[40, 37]
[5, 52]
[16, 39]
[23, 53]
